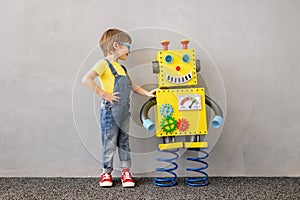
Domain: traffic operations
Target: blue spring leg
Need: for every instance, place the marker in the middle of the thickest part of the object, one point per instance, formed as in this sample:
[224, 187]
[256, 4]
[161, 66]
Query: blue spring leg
[198, 181]
[167, 181]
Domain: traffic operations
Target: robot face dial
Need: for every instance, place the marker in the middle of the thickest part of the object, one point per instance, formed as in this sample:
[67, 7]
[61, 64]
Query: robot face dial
[169, 59]
[186, 58]
[177, 68]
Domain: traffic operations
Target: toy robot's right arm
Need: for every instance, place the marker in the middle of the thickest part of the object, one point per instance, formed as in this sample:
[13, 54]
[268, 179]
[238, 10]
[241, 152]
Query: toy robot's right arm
[147, 123]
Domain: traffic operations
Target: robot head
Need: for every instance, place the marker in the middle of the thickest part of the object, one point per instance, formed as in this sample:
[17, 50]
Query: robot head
[176, 68]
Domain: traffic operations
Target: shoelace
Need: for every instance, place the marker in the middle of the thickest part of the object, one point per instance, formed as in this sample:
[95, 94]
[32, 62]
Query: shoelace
[127, 176]
[106, 176]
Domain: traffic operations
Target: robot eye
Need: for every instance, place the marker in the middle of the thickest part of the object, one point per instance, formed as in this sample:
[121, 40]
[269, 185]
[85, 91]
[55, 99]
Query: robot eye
[169, 59]
[186, 58]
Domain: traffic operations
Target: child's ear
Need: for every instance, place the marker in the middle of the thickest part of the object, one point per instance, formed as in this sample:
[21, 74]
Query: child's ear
[115, 45]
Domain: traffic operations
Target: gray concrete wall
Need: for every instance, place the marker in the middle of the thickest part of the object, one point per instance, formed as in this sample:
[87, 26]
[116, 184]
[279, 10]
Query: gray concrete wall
[48, 122]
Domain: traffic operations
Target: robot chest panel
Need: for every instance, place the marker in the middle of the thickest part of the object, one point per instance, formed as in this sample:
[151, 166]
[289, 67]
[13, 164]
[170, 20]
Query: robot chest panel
[180, 112]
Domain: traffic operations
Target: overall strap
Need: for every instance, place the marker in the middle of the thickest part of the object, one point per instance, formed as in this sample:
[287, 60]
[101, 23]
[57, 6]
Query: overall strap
[124, 69]
[112, 69]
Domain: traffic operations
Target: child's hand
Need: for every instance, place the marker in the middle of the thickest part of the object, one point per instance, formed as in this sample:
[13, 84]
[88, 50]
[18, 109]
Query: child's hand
[112, 97]
[152, 93]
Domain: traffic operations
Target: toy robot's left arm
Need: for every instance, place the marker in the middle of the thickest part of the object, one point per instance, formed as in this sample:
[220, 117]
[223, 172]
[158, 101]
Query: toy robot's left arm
[218, 119]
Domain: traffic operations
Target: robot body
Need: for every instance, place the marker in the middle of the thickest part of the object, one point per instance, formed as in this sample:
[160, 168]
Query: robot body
[180, 112]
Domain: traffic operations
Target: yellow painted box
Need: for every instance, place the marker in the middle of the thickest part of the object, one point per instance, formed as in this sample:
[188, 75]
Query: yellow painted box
[180, 112]
[174, 71]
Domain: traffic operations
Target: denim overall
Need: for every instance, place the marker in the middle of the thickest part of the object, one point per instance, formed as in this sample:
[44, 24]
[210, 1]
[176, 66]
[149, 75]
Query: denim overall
[114, 121]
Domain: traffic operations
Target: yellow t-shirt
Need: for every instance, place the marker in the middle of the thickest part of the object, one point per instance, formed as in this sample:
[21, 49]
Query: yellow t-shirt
[107, 80]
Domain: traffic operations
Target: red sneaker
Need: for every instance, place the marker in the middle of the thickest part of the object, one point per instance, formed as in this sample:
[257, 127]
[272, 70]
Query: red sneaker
[127, 180]
[106, 180]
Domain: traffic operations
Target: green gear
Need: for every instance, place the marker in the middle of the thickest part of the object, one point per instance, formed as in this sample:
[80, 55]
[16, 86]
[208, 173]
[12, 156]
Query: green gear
[168, 124]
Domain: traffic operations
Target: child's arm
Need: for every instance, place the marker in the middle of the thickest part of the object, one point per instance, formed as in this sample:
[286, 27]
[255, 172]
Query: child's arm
[141, 91]
[88, 81]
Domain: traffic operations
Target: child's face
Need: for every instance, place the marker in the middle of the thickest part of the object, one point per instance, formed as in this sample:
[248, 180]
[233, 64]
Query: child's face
[124, 50]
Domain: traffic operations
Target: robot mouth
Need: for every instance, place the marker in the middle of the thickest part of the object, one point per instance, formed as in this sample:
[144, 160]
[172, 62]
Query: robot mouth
[179, 79]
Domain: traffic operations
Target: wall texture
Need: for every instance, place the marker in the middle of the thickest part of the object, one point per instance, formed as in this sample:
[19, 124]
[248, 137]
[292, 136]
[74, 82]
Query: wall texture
[47, 121]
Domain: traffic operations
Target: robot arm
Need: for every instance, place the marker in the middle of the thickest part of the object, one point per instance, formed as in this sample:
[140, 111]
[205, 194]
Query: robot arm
[147, 123]
[218, 119]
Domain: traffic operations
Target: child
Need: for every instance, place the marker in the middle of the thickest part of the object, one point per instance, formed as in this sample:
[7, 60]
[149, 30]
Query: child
[114, 111]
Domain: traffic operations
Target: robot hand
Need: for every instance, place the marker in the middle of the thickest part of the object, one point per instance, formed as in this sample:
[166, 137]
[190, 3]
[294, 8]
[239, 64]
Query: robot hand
[147, 123]
[218, 119]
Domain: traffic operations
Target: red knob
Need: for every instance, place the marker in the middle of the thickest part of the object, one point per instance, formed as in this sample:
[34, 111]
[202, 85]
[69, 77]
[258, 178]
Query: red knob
[185, 43]
[177, 68]
[165, 44]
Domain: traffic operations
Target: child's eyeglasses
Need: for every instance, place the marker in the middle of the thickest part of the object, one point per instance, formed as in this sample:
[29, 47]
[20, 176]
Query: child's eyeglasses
[126, 44]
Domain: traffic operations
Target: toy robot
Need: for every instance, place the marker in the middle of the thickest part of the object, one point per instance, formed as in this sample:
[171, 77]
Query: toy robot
[180, 111]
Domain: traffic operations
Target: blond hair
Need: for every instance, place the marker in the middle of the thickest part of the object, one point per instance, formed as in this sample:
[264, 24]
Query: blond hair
[109, 37]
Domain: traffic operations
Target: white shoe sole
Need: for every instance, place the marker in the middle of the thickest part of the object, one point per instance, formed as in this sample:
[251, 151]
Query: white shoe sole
[106, 184]
[128, 184]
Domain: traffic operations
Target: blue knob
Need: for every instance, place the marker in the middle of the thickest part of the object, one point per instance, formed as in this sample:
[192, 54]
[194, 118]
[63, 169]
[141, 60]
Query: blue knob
[169, 59]
[186, 58]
